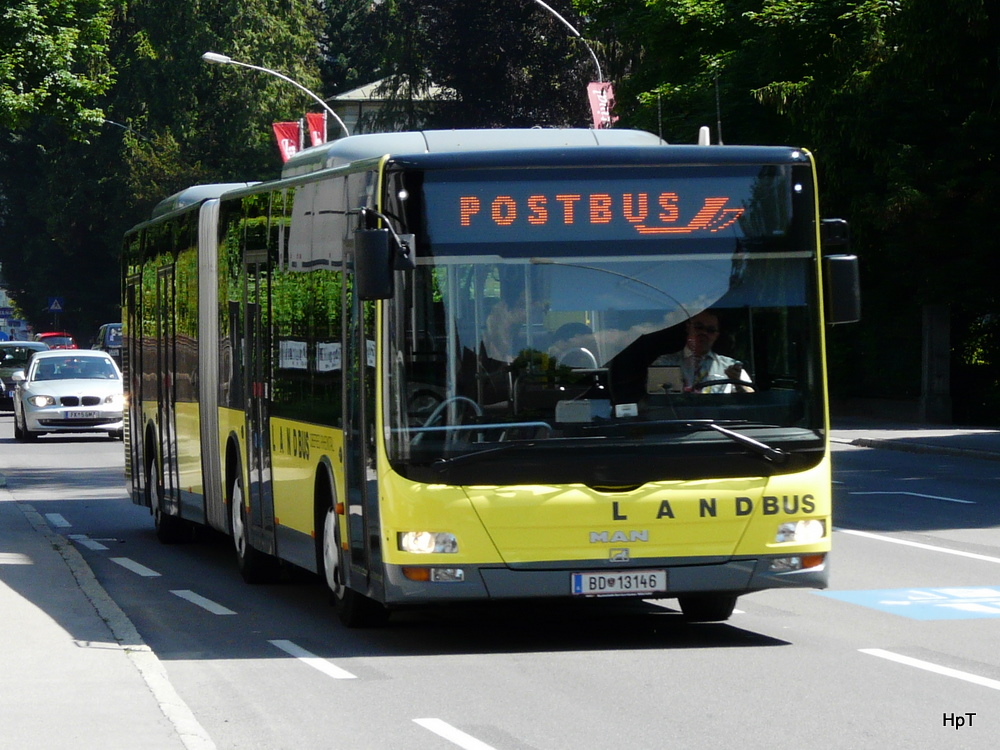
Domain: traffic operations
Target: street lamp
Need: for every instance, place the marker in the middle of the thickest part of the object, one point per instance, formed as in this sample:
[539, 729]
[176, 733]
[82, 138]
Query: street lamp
[568, 25]
[215, 57]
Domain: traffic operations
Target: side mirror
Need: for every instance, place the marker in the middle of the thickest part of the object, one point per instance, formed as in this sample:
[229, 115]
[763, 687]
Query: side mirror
[843, 289]
[373, 263]
[17, 376]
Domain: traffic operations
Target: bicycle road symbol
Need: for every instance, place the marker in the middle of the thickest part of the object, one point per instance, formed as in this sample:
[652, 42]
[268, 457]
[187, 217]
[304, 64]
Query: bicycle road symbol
[950, 603]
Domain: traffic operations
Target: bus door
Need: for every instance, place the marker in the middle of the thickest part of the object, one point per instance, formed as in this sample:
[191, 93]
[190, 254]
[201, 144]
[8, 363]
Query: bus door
[166, 368]
[257, 373]
[364, 569]
[131, 369]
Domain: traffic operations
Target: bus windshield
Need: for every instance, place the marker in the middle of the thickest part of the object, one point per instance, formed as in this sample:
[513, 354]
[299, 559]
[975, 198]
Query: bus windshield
[550, 314]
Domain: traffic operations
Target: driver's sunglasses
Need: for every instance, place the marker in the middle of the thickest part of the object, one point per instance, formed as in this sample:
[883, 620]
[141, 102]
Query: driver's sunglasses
[701, 327]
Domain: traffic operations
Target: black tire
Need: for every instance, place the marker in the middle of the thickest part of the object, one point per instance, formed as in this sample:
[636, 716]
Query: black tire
[254, 565]
[18, 432]
[355, 610]
[27, 436]
[707, 607]
[169, 529]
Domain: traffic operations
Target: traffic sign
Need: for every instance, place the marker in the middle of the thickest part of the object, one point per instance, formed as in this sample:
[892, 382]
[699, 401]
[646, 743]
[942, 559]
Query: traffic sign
[928, 604]
[55, 305]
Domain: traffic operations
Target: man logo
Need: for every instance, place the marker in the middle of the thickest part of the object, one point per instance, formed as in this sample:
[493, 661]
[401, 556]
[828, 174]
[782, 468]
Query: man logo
[618, 555]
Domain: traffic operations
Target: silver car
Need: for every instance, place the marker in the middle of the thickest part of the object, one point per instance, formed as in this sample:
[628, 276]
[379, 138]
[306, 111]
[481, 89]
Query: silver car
[69, 391]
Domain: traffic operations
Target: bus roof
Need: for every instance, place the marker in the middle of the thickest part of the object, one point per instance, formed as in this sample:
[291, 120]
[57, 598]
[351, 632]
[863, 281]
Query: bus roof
[353, 148]
[196, 194]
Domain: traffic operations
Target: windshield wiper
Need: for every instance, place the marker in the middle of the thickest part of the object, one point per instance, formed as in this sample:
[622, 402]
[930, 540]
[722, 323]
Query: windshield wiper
[443, 464]
[765, 451]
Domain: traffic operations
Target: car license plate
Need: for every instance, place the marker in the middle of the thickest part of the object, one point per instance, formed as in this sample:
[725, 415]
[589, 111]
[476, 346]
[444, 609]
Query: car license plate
[82, 415]
[620, 583]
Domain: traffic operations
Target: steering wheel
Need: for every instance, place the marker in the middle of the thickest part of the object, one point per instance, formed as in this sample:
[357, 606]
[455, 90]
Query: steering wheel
[439, 410]
[724, 381]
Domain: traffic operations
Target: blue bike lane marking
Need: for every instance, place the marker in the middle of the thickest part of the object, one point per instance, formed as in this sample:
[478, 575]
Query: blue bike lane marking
[950, 603]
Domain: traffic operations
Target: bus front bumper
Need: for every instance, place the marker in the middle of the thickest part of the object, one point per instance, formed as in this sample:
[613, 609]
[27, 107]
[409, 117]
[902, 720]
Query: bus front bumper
[475, 582]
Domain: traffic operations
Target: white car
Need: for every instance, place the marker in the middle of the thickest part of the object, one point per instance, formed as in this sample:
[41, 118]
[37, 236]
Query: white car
[63, 390]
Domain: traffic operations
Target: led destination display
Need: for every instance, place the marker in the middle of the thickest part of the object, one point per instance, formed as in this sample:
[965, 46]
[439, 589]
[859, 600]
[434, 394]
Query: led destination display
[596, 206]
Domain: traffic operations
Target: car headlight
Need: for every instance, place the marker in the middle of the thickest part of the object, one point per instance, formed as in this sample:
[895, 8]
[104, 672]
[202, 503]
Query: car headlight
[115, 399]
[41, 400]
[425, 542]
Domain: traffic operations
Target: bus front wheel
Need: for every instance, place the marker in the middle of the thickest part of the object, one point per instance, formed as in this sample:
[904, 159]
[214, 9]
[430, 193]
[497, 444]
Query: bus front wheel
[354, 609]
[707, 607]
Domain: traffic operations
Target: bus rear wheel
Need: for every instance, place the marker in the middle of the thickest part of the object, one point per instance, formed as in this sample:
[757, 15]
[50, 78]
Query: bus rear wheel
[354, 610]
[169, 529]
[707, 607]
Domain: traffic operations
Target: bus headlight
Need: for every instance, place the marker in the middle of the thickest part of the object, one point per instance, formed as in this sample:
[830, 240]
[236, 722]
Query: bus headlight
[803, 532]
[426, 542]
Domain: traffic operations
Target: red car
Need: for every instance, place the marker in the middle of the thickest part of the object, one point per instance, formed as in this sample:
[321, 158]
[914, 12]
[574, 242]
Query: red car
[56, 340]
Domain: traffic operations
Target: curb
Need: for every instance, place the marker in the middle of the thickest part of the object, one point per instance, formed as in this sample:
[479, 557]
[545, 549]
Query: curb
[907, 447]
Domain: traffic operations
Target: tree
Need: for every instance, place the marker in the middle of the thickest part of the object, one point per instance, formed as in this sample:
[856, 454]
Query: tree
[168, 121]
[53, 62]
[498, 64]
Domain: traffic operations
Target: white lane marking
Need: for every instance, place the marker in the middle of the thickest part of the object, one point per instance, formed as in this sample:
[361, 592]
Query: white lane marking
[931, 667]
[918, 545]
[207, 604]
[135, 567]
[15, 558]
[918, 494]
[455, 736]
[57, 520]
[313, 661]
[84, 541]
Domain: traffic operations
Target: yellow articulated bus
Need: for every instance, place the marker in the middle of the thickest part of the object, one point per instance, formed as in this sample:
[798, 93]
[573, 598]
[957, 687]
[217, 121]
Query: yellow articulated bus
[450, 366]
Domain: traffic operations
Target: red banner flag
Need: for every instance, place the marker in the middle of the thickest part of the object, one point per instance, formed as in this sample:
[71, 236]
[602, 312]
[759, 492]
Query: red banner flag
[602, 100]
[317, 127]
[287, 134]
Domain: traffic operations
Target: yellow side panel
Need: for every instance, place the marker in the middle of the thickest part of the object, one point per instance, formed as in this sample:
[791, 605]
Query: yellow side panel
[297, 450]
[189, 447]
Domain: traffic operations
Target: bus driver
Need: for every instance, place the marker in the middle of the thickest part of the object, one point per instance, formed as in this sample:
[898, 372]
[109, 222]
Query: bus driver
[699, 364]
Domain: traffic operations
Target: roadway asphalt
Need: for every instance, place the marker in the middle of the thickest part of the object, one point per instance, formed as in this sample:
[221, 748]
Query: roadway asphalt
[74, 672]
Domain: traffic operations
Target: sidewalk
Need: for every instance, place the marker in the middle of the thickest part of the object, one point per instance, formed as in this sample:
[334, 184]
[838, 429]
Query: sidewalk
[73, 670]
[973, 442]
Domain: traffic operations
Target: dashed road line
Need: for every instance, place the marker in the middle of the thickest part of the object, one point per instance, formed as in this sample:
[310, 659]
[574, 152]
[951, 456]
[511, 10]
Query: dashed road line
[206, 604]
[135, 567]
[455, 736]
[313, 661]
[84, 541]
[931, 667]
[57, 520]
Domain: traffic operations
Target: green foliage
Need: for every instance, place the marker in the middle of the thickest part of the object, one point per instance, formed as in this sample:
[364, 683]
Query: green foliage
[499, 63]
[53, 62]
[106, 107]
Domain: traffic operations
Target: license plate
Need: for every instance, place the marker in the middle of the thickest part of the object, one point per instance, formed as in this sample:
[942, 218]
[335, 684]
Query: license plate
[82, 415]
[621, 583]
